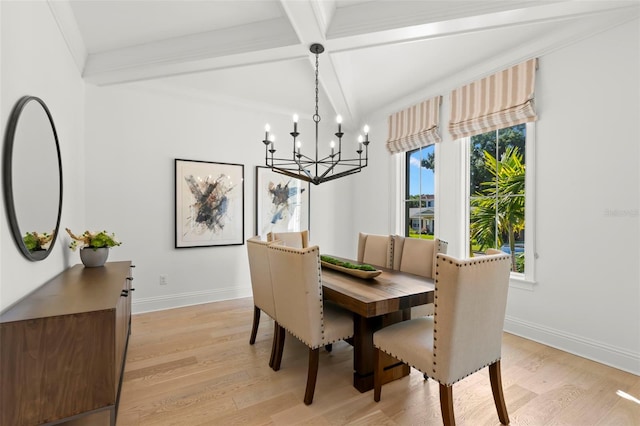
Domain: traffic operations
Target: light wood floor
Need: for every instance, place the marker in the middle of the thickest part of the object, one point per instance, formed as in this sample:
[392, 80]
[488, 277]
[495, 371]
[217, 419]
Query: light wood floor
[194, 366]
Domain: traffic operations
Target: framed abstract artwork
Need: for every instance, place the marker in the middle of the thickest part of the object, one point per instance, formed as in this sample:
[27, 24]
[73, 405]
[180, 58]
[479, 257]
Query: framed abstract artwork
[282, 203]
[209, 200]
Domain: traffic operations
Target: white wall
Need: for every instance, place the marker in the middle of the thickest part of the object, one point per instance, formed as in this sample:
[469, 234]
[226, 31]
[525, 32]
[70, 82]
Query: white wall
[35, 61]
[587, 299]
[135, 132]
[587, 296]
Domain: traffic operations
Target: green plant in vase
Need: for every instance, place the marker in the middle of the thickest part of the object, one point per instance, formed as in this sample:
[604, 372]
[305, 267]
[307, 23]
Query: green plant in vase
[93, 240]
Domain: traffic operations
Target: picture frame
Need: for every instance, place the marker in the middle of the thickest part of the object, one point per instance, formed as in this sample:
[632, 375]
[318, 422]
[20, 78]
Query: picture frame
[209, 204]
[282, 203]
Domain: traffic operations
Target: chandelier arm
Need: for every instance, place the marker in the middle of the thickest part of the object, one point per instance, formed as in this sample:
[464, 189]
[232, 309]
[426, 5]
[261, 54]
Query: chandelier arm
[293, 175]
[284, 163]
[329, 169]
[302, 169]
[339, 175]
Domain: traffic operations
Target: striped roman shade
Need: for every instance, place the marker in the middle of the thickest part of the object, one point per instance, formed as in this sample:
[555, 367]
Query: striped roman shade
[501, 100]
[415, 126]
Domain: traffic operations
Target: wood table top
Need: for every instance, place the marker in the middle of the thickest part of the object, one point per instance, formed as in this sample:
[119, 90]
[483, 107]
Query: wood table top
[390, 291]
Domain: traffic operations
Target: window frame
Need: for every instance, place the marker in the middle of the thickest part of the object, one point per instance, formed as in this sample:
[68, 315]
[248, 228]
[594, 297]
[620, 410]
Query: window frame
[404, 222]
[524, 280]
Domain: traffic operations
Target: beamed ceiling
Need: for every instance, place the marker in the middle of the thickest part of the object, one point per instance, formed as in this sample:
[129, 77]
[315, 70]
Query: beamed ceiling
[381, 55]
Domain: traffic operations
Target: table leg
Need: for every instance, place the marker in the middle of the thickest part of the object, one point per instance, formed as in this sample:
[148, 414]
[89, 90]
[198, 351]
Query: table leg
[363, 364]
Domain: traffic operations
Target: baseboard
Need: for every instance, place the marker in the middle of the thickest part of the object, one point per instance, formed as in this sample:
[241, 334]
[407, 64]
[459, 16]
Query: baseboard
[170, 301]
[596, 351]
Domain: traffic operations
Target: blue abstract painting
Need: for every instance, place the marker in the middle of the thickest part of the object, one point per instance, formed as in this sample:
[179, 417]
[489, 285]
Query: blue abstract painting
[282, 203]
[209, 203]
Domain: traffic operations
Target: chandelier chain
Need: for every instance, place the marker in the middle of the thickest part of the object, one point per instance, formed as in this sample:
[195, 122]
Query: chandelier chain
[316, 117]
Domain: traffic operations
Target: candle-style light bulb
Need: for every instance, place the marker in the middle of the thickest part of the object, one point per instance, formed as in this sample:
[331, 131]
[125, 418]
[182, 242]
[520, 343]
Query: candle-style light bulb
[339, 120]
[332, 144]
[366, 133]
[295, 122]
[266, 132]
[360, 142]
[298, 145]
[272, 139]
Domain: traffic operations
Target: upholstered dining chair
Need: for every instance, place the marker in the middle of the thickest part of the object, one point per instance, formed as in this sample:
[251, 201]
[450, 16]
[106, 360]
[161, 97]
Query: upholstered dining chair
[463, 336]
[375, 249]
[261, 288]
[418, 256]
[291, 239]
[297, 291]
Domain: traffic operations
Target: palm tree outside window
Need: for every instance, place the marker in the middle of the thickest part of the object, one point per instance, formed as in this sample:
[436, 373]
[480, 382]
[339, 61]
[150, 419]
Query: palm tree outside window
[497, 168]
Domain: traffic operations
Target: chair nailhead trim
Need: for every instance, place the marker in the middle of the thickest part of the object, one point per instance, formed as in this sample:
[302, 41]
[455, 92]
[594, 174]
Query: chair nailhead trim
[459, 264]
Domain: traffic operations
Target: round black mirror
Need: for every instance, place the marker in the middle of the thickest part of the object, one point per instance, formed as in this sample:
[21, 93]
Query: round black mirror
[32, 178]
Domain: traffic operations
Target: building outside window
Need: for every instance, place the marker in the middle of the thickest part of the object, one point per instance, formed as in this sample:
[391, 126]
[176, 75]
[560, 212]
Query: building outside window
[497, 165]
[419, 197]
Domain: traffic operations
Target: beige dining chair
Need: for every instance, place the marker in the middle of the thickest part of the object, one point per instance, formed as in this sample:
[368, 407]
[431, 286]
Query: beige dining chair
[418, 256]
[375, 249]
[291, 239]
[297, 291]
[262, 288]
[463, 336]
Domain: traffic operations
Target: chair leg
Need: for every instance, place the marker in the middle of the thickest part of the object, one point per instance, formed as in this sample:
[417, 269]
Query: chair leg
[312, 375]
[256, 321]
[274, 344]
[279, 348]
[378, 369]
[498, 396]
[446, 405]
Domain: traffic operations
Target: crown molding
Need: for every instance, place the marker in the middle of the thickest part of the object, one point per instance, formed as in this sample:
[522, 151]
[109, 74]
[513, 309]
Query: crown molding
[64, 17]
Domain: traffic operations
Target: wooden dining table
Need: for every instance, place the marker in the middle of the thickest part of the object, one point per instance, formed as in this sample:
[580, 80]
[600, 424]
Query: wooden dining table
[375, 303]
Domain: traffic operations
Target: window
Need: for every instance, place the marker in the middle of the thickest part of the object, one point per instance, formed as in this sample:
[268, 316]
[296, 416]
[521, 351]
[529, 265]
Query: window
[497, 181]
[419, 197]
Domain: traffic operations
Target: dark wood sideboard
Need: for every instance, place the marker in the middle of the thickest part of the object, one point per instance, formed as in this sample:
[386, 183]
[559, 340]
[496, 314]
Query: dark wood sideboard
[63, 348]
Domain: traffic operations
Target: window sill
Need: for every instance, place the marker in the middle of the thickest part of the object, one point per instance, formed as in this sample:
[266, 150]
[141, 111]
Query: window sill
[519, 281]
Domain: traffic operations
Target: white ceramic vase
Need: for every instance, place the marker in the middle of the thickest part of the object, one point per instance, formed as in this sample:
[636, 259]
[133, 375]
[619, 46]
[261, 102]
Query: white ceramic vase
[94, 257]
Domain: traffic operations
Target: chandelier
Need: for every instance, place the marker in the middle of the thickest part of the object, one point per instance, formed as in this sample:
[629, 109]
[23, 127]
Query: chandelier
[316, 169]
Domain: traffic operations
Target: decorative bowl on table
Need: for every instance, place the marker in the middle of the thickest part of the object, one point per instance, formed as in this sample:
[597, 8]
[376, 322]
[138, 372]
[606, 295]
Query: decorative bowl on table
[360, 270]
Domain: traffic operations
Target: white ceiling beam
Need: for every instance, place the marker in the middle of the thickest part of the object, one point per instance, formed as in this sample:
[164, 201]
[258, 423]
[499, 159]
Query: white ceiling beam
[310, 20]
[542, 12]
[229, 47]
[177, 67]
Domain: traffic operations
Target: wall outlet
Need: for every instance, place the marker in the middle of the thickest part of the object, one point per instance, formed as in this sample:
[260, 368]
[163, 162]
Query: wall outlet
[164, 279]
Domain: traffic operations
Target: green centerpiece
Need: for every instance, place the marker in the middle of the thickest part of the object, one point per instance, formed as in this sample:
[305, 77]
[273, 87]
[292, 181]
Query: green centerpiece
[348, 265]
